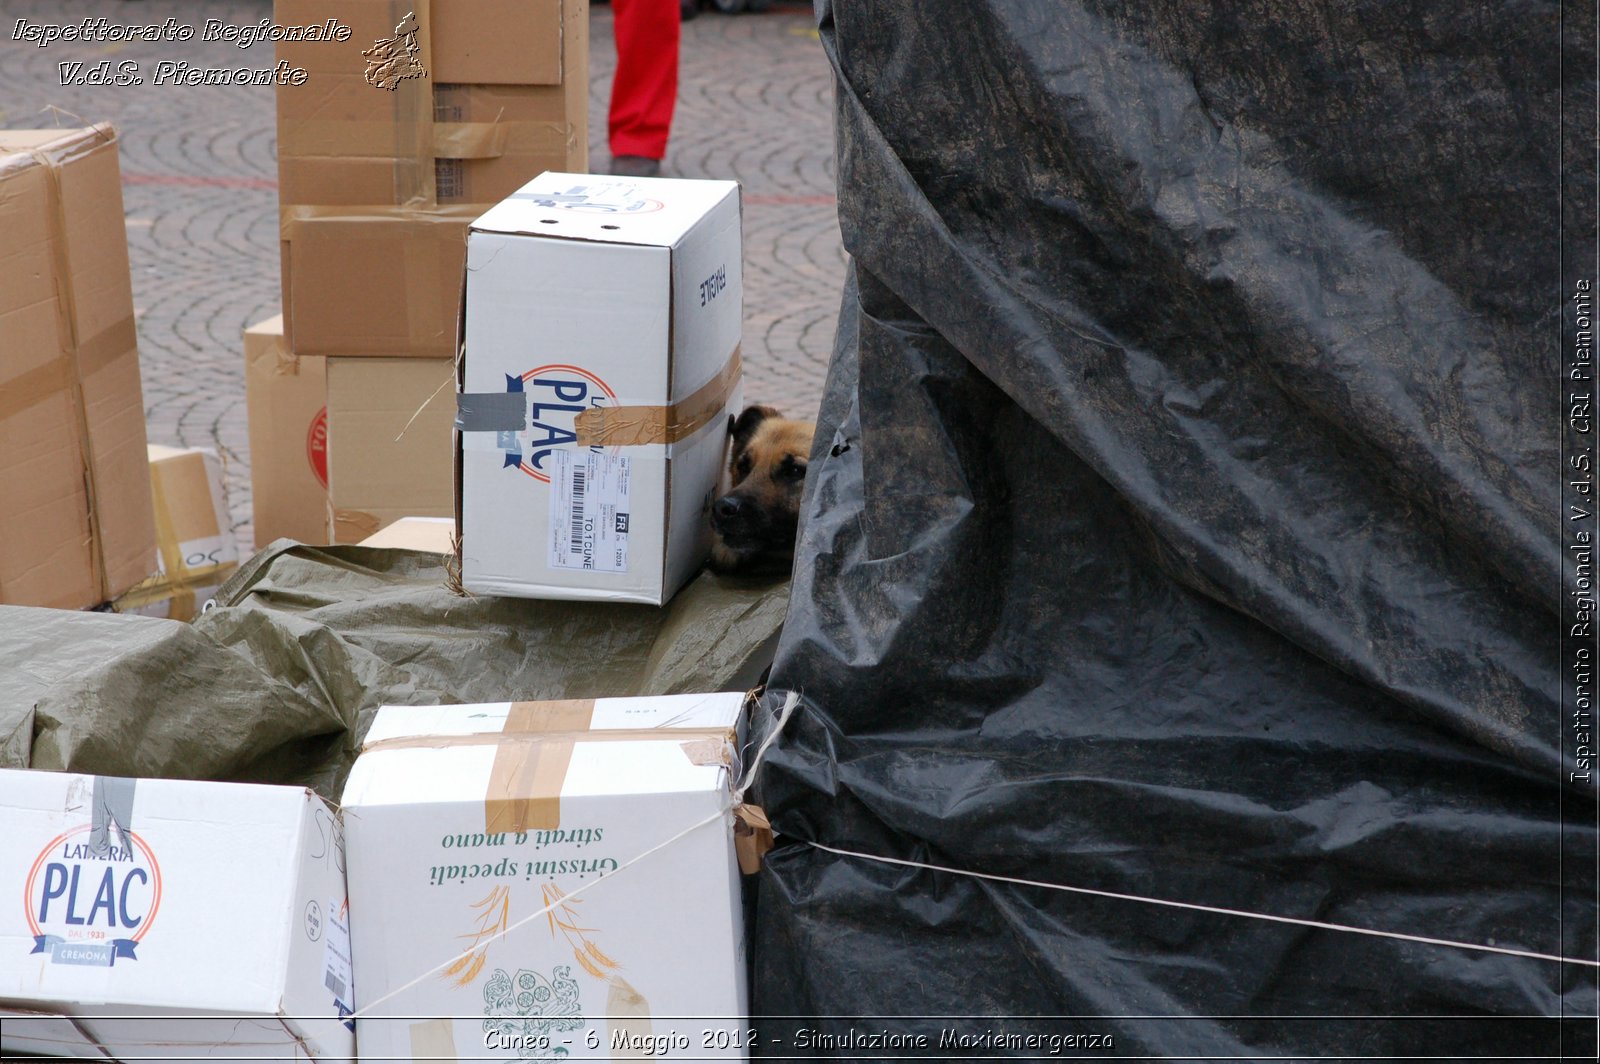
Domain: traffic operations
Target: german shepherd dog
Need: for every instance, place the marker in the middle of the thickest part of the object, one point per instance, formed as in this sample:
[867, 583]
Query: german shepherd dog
[753, 526]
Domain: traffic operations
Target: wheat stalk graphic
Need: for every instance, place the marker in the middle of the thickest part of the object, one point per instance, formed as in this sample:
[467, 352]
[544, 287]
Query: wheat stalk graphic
[494, 914]
[563, 918]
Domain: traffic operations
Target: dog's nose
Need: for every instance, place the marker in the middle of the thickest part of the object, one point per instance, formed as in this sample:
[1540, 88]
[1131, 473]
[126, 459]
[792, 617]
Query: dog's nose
[727, 508]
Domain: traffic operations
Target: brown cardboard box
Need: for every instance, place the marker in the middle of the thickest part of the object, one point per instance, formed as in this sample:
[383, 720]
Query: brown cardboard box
[377, 184]
[195, 544]
[76, 527]
[483, 142]
[359, 283]
[287, 403]
[391, 451]
[478, 42]
[435, 534]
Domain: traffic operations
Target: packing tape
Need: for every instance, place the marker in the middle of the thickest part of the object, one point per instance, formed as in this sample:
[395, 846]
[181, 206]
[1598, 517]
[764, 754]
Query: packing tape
[184, 607]
[627, 426]
[171, 554]
[112, 808]
[70, 146]
[413, 114]
[333, 139]
[292, 217]
[524, 789]
[433, 1040]
[495, 140]
[352, 526]
[752, 836]
[616, 426]
[57, 375]
[491, 411]
[35, 386]
[628, 1018]
[470, 140]
[106, 346]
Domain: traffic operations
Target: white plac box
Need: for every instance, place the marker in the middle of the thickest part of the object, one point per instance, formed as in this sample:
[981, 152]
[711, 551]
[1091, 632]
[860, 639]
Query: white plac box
[465, 821]
[157, 919]
[600, 366]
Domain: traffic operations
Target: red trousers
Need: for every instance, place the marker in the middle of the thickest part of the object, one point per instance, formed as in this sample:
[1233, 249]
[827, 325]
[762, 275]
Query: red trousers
[645, 87]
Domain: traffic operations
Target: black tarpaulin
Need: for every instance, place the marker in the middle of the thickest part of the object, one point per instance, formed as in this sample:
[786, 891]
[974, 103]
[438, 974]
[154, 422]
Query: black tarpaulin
[1185, 523]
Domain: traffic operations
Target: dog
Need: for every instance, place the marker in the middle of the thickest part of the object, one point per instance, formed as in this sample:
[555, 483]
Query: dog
[754, 525]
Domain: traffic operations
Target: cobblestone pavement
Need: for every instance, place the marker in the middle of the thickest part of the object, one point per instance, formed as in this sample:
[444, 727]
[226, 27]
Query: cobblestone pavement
[200, 189]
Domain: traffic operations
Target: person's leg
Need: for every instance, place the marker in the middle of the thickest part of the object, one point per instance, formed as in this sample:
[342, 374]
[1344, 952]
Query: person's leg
[645, 88]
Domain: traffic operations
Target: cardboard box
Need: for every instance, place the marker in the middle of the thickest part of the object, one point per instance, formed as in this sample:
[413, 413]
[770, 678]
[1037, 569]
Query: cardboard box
[416, 533]
[390, 453]
[286, 397]
[195, 545]
[476, 144]
[470, 819]
[137, 902]
[601, 366]
[75, 523]
[460, 42]
[377, 184]
[360, 283]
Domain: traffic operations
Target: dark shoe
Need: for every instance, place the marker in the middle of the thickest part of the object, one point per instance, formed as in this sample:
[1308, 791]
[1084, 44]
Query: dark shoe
[635, 166]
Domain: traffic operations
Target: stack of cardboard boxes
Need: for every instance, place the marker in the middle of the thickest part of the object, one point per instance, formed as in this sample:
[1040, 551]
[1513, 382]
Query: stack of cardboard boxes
[76, 522]
[88, 517]
[399, 136]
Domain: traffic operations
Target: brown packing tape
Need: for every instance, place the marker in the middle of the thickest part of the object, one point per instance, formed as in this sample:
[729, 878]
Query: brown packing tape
[292, 216]
[93, 355]
[375, 140]
[35, 386]
[524, 791]
[752, 837]
[627, 426]
[471, 140]
[712, 750]
[171, 554]
[413, 99]
[106, 346]
[628, 1017]
[352, 526]
[433, 1040]
[63, 145]
[184, 593]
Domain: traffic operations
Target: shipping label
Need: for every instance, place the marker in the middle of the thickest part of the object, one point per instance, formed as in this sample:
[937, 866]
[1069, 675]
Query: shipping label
[589, 511]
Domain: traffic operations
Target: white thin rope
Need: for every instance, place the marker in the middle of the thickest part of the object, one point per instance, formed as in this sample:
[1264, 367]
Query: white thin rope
[1218, 910]
[789, 705]
[723, 809]
[736, 795]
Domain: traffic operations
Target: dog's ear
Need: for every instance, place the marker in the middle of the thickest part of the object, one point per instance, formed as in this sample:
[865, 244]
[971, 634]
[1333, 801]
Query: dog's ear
[745, 425]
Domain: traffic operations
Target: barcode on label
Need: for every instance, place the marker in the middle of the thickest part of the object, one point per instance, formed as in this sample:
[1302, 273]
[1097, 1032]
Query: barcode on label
[588, 514]
[578, 474]
[334, 983]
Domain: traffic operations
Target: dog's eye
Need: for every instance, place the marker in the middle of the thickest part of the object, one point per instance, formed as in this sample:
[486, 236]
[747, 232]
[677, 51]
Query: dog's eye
[793, 470]
[742, 466]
